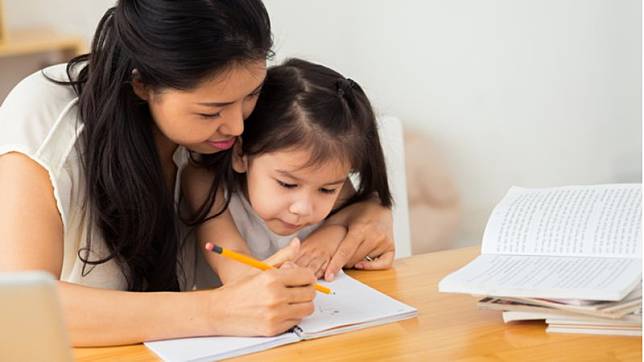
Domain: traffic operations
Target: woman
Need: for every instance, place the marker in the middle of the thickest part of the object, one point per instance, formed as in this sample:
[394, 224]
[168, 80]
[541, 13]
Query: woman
[90, 163]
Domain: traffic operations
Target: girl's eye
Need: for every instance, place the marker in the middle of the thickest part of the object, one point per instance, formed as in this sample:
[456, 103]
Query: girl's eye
[209, 115]
[286, 185]
[328, 191]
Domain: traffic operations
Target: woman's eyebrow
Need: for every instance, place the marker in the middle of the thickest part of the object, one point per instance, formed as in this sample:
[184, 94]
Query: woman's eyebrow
[223, 104]
[215, 104]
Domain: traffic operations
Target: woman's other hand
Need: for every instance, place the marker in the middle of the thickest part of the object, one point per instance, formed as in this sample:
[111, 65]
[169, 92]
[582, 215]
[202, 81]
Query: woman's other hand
[370, 234]
[316, 252]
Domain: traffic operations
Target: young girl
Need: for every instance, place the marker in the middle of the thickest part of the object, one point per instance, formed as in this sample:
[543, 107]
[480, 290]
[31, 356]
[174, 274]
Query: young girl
[311, 129]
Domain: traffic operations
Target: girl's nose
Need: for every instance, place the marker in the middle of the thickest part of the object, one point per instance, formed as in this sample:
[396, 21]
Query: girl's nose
[301, 207]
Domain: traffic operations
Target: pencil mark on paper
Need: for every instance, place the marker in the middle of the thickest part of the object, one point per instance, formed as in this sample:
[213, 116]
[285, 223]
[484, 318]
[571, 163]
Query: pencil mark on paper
[328, 310]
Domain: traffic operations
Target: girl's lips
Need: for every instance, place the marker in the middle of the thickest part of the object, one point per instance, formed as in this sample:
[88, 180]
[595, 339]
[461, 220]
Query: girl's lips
[290, 226]
[222, 145]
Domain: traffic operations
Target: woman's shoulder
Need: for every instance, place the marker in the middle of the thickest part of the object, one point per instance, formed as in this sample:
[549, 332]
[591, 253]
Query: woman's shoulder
[35, 107]
[39, 92]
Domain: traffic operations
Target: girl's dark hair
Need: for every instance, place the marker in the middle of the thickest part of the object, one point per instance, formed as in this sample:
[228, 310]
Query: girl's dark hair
[309, 106]
[171, 44]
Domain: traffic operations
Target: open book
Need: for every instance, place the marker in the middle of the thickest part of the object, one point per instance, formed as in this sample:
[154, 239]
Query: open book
[353, 306]
[573, 242]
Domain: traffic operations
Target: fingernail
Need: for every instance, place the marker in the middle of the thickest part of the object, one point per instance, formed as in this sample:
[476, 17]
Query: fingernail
[331, 276]
[358, 266]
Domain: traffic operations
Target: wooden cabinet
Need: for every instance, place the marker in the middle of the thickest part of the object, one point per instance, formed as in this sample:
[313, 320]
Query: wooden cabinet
[36, 40]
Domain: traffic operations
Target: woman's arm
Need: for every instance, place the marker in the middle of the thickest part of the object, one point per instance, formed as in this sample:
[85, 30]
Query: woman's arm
[265, 304]
[31, 237]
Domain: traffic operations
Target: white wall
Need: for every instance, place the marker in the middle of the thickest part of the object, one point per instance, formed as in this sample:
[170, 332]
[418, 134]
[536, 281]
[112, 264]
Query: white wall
[532, 93]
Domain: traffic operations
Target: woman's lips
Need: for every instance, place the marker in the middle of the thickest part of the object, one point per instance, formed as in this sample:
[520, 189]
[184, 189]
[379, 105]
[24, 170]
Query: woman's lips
[222, 145]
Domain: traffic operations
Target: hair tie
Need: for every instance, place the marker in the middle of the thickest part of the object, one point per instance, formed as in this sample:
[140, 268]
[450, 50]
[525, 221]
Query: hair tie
[344, 86]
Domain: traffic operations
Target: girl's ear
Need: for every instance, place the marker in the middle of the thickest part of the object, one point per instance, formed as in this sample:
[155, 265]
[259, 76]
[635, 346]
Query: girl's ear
[240, 161]
[138, 87]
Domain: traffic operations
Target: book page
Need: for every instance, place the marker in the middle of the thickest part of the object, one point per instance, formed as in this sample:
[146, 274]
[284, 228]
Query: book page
[546, 277]
[215, 348]
[596, 220]
[352, 305]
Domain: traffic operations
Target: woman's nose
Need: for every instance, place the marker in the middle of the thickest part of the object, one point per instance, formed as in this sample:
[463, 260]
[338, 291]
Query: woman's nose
[233, 123]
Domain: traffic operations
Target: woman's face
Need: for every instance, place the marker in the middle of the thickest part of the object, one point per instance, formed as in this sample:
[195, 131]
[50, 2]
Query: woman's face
[207, 119]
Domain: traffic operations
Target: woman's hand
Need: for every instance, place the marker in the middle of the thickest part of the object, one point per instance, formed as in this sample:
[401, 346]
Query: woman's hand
[370, 234]
[316, 252]
[265, 304]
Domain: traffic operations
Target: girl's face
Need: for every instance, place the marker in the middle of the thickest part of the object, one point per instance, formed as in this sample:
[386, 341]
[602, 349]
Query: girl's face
[207, 119]
[287, 195]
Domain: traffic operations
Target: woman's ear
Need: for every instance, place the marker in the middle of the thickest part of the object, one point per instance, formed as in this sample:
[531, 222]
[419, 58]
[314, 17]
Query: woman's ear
[240, 161]
[138, 87]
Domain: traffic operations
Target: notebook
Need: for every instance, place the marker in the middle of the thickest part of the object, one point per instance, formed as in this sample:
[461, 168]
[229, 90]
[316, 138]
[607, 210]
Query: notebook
[354, 306]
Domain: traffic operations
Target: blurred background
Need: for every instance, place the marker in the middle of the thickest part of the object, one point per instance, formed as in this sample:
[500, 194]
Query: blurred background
[491, 93]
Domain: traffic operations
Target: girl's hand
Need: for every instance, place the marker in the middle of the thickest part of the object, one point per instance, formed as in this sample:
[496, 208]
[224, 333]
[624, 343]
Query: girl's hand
[370, 234]
[286, 254]
[265, 304]
[316, 251]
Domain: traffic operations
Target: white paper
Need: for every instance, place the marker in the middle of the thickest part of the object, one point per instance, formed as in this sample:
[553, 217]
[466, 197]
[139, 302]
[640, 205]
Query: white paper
[546, 277]
[353, 303]
[597, 220]
[212, 348]
[595, 331]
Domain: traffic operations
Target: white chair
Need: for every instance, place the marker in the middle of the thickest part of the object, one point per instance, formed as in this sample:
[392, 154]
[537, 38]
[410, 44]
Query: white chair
[391, 138]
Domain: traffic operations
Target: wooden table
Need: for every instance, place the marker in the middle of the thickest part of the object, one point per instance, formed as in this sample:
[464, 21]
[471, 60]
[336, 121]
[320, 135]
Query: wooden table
[448, 327]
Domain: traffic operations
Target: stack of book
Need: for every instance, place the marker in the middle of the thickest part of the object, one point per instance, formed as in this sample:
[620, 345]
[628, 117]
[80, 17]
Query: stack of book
[623, 317]
[570, 256]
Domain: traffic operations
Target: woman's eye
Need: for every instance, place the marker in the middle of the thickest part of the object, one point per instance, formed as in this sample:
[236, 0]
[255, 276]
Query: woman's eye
[210, 115]
[255, 93]
[328, 191]
[286, 185]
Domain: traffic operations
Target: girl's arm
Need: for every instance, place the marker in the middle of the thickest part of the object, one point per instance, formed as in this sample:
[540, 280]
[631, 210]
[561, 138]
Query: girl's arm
[31, 237]
[222, 231]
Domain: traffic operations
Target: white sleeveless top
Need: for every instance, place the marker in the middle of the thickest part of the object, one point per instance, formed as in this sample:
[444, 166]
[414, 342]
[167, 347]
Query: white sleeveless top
[40, 120]
[261, 241]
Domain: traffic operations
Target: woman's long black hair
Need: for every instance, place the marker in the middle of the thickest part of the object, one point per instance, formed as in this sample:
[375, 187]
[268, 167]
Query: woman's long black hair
[171, 44]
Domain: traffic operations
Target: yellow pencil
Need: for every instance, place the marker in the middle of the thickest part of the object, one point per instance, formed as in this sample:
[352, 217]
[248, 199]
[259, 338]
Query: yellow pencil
[255, 263]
